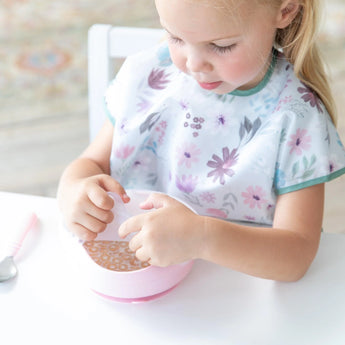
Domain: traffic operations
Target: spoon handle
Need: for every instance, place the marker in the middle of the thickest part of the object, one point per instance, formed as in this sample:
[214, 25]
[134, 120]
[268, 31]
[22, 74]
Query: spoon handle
[21, 228]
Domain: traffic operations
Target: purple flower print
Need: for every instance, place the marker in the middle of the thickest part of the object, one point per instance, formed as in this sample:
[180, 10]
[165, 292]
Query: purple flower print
[254, 197]
[144, 105]
[184, 104]
[220, 123]
[124, 152]
[250, 218]
[158, 79]
[186, 184]
[311, 97]
[142, 163]
[299, 141]
[187, 154]
[332, 166]
[222, 166]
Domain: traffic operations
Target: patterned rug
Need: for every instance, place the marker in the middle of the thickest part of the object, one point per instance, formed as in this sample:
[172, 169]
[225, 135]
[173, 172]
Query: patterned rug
[43, 47]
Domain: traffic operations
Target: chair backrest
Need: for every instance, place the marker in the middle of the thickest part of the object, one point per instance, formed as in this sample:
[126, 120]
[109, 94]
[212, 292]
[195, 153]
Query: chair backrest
[105, 44]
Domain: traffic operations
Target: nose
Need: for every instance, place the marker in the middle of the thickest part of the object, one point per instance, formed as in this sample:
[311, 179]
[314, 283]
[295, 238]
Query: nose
[196, 62]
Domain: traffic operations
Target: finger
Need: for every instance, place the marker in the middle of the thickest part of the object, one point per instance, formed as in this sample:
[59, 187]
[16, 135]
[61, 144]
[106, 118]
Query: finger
[93, 224]
[136, 242]
[100, 214]
[81, 232]
[156, 200]
[133, 224]
[98, 193]
[142, 255]
[109, 184]
[100, 198]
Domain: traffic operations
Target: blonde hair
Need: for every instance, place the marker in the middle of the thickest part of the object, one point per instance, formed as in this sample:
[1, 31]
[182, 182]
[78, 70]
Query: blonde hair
[298, 42]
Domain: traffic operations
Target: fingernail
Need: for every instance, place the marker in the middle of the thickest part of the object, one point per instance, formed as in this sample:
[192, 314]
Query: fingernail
[125, 197]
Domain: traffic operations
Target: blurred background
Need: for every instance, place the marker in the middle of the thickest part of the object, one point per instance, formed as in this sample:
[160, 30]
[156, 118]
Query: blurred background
[43, 87]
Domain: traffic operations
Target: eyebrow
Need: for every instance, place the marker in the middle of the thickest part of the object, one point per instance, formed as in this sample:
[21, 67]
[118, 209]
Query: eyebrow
[212, 40]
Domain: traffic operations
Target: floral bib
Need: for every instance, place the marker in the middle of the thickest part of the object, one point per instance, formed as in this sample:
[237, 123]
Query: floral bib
[227, 156]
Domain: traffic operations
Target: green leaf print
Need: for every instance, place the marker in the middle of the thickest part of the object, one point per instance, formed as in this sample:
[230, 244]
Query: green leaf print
[149, 122]
[295, 169]
[283, 136]
[151, 179]
[305, 163]
[312, 160]
[249, 128]
[308, 173]
[308, 169]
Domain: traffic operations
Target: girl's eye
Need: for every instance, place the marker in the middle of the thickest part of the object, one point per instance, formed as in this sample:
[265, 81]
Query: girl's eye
[222, 50]
[175, 40]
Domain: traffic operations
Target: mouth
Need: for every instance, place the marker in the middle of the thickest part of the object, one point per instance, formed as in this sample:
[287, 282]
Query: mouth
[210, 86]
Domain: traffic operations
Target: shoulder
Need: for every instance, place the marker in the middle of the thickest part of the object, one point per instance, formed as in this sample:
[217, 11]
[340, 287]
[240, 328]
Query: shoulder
[144, 61]
[145, 72]
[142, 64]
[294, 98]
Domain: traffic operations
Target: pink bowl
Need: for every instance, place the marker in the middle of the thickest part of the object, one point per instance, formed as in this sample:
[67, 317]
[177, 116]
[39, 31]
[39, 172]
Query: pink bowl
[133, 286]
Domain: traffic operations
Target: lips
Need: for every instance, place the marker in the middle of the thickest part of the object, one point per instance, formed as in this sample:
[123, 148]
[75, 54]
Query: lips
[210, 86]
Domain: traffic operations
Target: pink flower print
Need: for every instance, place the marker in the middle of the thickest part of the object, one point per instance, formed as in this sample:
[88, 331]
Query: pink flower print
[124, 152]
[160, 128]
[254, 197]
[223, 166]
[215, 212]
[187, 154]
[208, 197]
[186, 184]
[285, 100]
[158, 79]
[311, 97]
[300, 141]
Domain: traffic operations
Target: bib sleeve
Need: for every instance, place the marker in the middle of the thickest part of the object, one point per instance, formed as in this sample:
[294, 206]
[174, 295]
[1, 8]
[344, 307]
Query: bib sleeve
[311, 151]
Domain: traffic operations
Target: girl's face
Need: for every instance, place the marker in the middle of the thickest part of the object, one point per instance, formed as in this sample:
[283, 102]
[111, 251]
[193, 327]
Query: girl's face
[222, 50]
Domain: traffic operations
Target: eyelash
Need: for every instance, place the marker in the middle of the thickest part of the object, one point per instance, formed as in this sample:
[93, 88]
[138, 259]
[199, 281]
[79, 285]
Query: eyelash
[223, 50]
[214, 47]
[175, 40]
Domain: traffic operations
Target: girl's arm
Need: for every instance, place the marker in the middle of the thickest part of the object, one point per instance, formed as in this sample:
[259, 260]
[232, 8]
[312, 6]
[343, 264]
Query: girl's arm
[172, 234]
[283, 252]
[82, 192]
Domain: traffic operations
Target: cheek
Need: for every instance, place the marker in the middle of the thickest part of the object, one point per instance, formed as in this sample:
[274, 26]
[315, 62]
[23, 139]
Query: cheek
[236, 70]
[178, 58]
[242, 69]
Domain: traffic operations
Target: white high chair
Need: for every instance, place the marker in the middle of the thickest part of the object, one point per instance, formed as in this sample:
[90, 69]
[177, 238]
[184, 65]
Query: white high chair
[105, 44]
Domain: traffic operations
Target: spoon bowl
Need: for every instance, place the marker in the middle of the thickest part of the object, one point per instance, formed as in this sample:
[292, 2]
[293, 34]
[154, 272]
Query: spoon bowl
[8, 268]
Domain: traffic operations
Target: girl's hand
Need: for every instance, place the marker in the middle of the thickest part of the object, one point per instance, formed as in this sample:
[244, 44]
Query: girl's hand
[168, 235]
[87, 206]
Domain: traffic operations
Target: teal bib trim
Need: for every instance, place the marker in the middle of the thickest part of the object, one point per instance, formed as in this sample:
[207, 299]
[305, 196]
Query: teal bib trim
[310, 183]
[262, 84]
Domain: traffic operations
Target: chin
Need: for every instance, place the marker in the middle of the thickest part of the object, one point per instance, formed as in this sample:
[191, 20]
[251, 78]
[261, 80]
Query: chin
[224, 90]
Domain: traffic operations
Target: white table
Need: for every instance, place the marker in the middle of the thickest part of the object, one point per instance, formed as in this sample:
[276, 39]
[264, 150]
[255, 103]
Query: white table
[48, 304]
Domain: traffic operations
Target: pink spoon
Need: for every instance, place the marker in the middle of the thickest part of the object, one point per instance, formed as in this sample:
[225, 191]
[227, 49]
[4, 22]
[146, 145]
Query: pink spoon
[8, 268]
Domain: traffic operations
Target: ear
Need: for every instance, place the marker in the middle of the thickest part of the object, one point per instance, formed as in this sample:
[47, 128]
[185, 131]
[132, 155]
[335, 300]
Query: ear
[287, 13]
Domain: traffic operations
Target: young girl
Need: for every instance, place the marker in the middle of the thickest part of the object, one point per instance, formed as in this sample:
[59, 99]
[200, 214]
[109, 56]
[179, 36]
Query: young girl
[221, 119]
